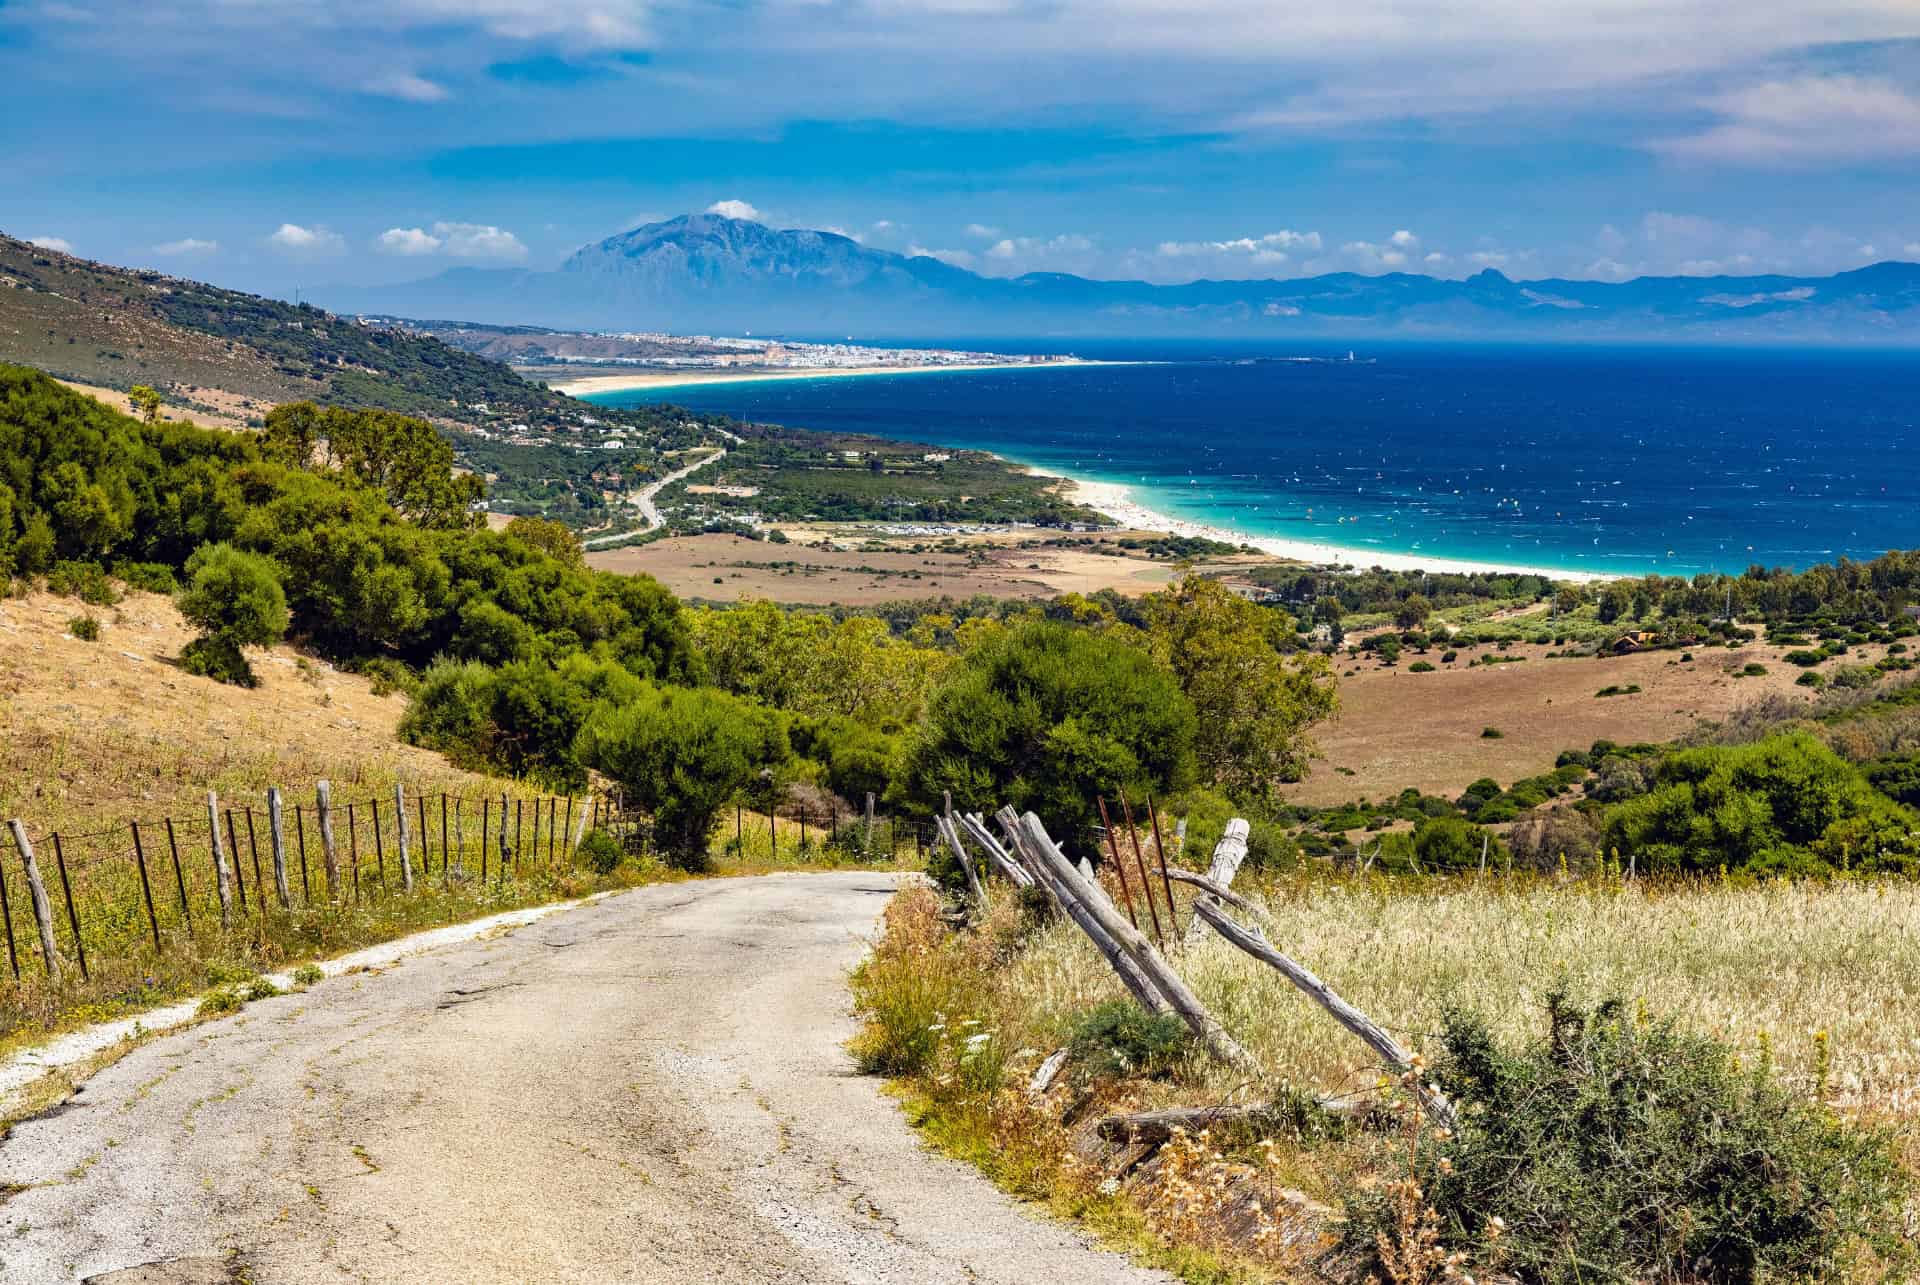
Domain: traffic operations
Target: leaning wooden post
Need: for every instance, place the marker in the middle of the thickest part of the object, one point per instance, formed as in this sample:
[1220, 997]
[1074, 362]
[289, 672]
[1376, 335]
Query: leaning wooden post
[580, 831]
[1180, 998]
[1227, 856]
[400, 826]
[221, 879]
[42, 908]
[1075, 908]
[866, 840]
[1008, 864]
[1384, 1045]
[277, 836]
[951, 836]
[329, 855]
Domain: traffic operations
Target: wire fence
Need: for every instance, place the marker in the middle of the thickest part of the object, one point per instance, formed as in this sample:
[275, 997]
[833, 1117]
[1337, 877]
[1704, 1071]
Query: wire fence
[69, 898]
[73, 902]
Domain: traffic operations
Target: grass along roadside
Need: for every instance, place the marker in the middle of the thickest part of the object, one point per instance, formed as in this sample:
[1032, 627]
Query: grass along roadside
[1820, 982]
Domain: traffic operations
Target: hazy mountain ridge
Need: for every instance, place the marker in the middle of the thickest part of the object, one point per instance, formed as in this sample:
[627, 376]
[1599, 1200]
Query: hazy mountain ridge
[706, 272]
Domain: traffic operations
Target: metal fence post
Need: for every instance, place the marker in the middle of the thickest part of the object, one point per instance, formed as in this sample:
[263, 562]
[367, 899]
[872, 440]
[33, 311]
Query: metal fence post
[146, 888]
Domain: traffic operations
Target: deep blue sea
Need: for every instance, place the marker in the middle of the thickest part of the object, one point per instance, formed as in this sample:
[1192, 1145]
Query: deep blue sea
[1619, 460]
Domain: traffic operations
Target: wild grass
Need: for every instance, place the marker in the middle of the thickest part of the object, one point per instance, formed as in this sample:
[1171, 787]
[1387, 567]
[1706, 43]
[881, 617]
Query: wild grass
[1818, 981]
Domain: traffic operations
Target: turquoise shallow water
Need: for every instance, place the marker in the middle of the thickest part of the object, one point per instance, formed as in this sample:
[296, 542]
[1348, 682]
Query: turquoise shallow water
[1597, 460]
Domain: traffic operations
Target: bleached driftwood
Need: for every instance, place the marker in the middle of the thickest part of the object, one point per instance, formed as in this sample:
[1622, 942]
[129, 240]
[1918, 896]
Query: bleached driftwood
[1227, 856]
[1179, 997]
[1384, 1045]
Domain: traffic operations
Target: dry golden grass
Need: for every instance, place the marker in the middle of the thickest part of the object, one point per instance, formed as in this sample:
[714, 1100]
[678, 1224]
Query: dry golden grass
[1750, 963]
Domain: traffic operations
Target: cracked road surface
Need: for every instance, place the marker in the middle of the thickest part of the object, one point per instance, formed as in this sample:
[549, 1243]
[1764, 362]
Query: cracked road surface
[648, 1088]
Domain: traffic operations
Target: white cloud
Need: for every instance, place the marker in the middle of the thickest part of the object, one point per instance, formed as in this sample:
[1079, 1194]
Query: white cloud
[1435, 259]
[1807, 120]
[186, 247]
[735, 209]
[1911, 249]
[982, 231]
[307, 243]
[478, 241]
[455, 240]
[1868, 252]
[1272, 247]
[408, 242]
[1608, 269]
[1392, 254]
[407, 87]
[58, 243]
[958, 258]
[1067, 252]
[1404, 239]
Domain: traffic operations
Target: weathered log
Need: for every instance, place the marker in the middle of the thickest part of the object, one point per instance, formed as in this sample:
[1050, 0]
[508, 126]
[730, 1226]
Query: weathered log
[222, 881]
[950, 835]
[1388, 1049]
[1206, 1028]
[1003, 861]
[1074, 905]
[1049, 1072]
[1221, 891]
[42, 908]
[1227, 856]
[329, 855]
[1158, 1126]
[277, 833]
[400, 827]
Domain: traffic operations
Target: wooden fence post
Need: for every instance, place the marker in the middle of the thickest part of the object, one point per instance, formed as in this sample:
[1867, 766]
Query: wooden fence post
[300, 841]
[277, 836]
[459, 843]
[220, 878]
[323, 810]
[426, 837]
[73, 916]
[400, 827]
[1227, 856]
[42, 910]
[866, 839]
[579, 832]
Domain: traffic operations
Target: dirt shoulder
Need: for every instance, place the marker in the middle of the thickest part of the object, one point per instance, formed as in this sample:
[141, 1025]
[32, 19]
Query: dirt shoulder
[648, 1088]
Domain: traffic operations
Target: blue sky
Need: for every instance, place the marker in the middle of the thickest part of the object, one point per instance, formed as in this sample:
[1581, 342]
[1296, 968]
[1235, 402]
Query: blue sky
[271, 145]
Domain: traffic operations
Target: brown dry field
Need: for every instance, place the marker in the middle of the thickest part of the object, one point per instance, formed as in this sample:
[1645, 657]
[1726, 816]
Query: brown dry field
[231, 409]
[1398, 729]
[114, 728]
[690, 565]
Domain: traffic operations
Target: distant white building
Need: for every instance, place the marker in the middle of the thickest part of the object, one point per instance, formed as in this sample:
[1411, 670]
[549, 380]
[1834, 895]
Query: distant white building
[936, 457]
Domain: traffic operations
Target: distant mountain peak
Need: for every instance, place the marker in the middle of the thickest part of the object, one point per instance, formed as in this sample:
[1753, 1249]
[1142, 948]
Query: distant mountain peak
[714, 273]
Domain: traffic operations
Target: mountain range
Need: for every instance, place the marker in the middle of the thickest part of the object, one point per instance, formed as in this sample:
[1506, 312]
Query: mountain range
[713, 274]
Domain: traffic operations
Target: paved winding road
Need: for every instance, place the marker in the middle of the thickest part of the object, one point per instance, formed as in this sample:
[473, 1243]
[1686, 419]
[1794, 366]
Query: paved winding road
[647, 1088]
[643, 498]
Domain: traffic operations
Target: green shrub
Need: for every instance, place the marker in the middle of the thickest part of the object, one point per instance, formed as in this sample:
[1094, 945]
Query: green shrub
[234, 598]
[389, 676]
[1491, 734]
[600, 852]
[1811, 679]
[1753, 670]
[1618, 1148]
[224, 1000]
[1803, 658]
[86, 581]
[154, 577]
[1119, 1039]
[1449, 656]
[1420, 667]
[258, 988]
[308, 975]
[85, 628]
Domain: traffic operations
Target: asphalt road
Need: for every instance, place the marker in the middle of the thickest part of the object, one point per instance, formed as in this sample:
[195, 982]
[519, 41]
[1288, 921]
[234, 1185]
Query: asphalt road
[648, 1088]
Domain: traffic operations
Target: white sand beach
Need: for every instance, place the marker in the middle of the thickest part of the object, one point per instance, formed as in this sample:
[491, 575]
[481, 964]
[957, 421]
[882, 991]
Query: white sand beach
[587, 385]
[1113, 498]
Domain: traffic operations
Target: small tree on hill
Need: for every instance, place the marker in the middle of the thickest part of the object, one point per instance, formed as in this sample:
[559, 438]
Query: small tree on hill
[234, 598]
[145, 402]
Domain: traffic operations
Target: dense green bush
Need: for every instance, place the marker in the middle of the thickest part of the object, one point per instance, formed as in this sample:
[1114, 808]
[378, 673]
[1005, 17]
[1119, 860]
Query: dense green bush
[683, 754]
[521, 719]
[1049, 719]
[1119, 1039]
[599, 852]
[85, 628]
[1618, 1148]
[1787, 804]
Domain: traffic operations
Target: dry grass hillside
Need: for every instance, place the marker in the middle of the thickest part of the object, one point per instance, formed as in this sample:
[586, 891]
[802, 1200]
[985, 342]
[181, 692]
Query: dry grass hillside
[97, 731]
